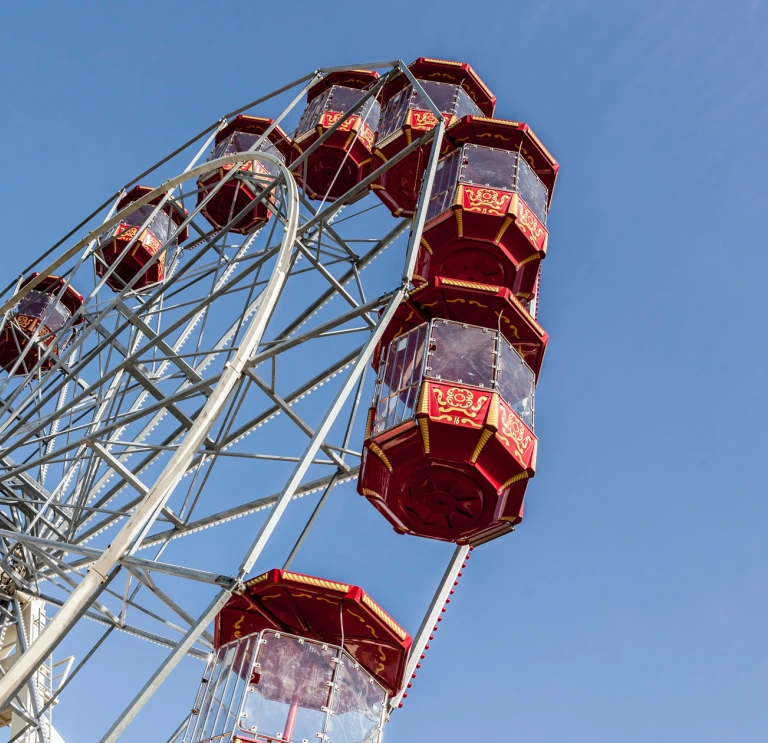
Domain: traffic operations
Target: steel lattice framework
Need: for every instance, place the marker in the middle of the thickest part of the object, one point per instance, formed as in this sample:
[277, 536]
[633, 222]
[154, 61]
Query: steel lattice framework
[113, 452]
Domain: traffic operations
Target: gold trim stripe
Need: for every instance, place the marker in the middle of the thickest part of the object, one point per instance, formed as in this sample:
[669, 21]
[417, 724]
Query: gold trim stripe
[371, 493]
[317, 582]
[423, 400]
[495, 121]
[492, 421]
[374, 448]
[424, 428]
[443, 61]
[546, 152]
[512, 480]
[426, 246]
[503, 229]
[471, 285]
[460, 64]
[368, 424]
[460, 221]
[481, 442]
[257, 579]
[520, 306]
[539, 254]
[381, 614]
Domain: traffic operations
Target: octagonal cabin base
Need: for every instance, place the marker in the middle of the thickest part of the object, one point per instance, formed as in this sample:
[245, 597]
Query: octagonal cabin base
[456, 473]
[475, 304]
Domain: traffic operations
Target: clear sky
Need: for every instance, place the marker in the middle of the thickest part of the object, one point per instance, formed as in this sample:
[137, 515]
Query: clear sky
[631, 605]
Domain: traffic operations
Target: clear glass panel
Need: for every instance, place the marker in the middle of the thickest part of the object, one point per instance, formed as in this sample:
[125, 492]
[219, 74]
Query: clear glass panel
[485, 166]
[393, 116]
[398, 387]
[445, 184]
[465, 106]
[44, 307]
[461, 353]
[450, 99]
[210, 681]
[289, 687]
[532, 190]
[221, 693]
[243, 141]
[311, 114]
[443, 95]
[358, 703]
[161, 225]
[515, 382]
[218, 713]
[344, 99]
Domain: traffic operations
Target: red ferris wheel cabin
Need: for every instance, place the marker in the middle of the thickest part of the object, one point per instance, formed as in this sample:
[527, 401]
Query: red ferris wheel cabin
[449, 443]
[131, 252]
[323, 610]
[344, 159]
[235, 201]
[487, 212]
[35, 322]
[456, 90]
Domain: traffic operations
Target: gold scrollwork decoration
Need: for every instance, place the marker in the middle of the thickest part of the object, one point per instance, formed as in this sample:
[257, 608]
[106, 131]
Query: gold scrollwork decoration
[459, 400]
[485, 199]
[425, 119]
[528, 224]
[515, 435]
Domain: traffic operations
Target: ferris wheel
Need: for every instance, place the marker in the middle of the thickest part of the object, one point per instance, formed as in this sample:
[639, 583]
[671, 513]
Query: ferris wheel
[172, 339]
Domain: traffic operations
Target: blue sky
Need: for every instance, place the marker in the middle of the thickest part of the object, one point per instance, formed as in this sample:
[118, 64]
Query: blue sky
[631, 603]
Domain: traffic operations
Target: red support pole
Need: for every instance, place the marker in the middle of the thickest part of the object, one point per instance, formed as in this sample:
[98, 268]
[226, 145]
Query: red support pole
[290, 723]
